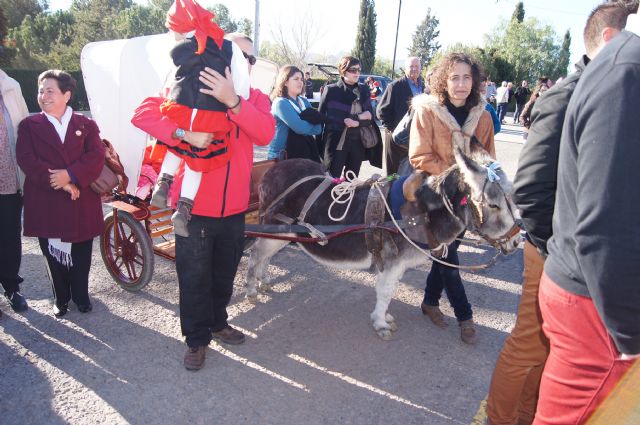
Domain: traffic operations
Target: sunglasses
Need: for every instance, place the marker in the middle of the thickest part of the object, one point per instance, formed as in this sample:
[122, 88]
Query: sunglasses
[252, 59]
[354, 70]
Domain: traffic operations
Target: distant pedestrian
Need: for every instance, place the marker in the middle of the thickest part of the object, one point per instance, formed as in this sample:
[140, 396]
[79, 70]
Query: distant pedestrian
[497, 126]
[492, 91]
[502, 100]
[308, 85]
[521, 95]
[525, 116]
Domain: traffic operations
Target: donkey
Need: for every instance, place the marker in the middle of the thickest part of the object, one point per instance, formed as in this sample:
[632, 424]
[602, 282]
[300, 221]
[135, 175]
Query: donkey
[472, 194]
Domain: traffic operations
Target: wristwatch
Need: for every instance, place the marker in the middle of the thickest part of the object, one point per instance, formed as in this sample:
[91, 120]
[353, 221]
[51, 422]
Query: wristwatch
[180, 133]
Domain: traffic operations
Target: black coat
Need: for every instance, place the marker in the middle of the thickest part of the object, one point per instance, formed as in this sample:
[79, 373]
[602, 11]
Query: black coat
[335, 104]
[522, 95]
[395, 102]
[185, 89]
[535, 182]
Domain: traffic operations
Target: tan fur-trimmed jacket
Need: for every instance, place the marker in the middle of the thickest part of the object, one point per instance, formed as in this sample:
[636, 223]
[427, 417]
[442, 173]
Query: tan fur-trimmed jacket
[434, 131]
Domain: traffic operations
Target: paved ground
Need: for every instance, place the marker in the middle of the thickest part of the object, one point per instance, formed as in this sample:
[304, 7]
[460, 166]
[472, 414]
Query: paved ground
[312, 356]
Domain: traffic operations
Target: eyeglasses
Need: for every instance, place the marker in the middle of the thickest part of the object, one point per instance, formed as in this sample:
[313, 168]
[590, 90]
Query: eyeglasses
[354, 70]
[252, 59]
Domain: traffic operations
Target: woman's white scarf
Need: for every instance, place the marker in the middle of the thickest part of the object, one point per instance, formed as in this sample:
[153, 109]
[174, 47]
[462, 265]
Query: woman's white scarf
[460, 136]
[61, 251]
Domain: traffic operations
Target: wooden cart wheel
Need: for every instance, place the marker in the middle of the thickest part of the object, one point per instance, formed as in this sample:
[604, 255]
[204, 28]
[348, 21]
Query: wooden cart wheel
[127, 251]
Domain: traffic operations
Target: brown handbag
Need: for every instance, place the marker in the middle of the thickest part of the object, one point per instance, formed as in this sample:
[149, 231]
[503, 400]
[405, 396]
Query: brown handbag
[112, 174]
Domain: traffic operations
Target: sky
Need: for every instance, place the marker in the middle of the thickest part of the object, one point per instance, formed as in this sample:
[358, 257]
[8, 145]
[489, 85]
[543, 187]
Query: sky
[463, 21]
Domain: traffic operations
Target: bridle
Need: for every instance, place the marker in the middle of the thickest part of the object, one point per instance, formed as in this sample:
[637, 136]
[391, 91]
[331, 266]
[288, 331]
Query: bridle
[478, 219]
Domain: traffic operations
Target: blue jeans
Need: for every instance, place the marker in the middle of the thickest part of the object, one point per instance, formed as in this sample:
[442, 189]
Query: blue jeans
[502, 110]
[516, 114]
[206, 263]
[447, 278]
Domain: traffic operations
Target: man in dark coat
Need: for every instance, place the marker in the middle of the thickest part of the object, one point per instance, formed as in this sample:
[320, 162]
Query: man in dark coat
[521, 94]
[394, 105]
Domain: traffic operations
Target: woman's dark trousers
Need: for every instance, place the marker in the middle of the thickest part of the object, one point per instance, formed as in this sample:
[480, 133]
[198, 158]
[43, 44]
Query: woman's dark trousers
[448, 278]
[70, 283]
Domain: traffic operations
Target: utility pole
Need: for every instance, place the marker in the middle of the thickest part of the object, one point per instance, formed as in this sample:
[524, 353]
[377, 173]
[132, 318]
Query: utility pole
[256, 29]
[395, 46]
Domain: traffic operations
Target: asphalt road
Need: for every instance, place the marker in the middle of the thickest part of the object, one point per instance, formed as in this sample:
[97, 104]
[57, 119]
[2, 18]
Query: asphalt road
[311, 355]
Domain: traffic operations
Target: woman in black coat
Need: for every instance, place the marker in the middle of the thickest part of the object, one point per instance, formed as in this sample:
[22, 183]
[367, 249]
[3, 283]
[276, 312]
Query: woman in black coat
[346, 153]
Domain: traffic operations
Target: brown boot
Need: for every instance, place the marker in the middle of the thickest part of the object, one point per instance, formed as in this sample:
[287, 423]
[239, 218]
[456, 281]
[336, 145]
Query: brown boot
[229, 335]
[434, 313]
[161, 191]
[194, 357]
[181, 217]
[467, 331]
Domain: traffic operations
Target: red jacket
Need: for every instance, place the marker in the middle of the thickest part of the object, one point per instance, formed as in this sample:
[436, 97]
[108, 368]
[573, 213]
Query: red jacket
[50, 213]
[225, 190]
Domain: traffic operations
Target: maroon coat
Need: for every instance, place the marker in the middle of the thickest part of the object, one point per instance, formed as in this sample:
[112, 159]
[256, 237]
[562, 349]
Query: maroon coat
[50, 213]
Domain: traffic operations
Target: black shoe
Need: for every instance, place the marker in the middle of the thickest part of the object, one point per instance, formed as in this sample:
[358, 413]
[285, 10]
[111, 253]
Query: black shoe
[17, 301]
[60, 311]
[85, 308]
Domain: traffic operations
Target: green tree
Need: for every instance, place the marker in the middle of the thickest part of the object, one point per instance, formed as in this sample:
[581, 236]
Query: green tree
[245, 26]
[40, 39]
[382, 66]
[492, 65]
[96, 20]
[518, 13]
[6, 52]
[530, 48]
[223, 18]
[564, 57]
[140, 20]
[424, 44]
[16, 10]
[365, 48]
[163, 5]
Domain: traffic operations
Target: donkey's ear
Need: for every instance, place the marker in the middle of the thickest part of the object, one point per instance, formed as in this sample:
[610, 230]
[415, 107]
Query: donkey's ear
[411, 185]
[472, 172]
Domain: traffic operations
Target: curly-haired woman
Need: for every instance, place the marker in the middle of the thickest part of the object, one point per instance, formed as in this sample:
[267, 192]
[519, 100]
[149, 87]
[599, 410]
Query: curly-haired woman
[453, 114]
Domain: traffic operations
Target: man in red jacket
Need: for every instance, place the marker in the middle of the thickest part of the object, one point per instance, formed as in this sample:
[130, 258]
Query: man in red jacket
[207, 260]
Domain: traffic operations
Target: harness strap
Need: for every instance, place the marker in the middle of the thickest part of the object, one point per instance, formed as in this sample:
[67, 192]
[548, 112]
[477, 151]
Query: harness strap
[291, 188]
[374, 215]
[313, 197]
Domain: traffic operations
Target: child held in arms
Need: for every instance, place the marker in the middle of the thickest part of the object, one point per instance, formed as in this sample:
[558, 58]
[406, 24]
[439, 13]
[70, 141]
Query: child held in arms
[199, 44]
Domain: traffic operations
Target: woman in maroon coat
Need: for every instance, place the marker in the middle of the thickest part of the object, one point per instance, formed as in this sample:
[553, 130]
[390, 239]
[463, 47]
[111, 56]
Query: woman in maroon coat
[61, 153]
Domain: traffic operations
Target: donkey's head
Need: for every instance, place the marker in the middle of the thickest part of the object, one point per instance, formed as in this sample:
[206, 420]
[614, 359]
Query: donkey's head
[492, 214]
[472, 194]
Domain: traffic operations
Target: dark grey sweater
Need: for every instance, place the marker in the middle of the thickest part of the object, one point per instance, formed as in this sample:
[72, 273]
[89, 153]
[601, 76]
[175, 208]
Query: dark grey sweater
[595, 247]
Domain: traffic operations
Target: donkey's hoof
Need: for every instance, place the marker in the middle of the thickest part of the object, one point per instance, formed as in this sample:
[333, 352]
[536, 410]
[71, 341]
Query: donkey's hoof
[393, 325]
[265, 288]
[385, 334]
